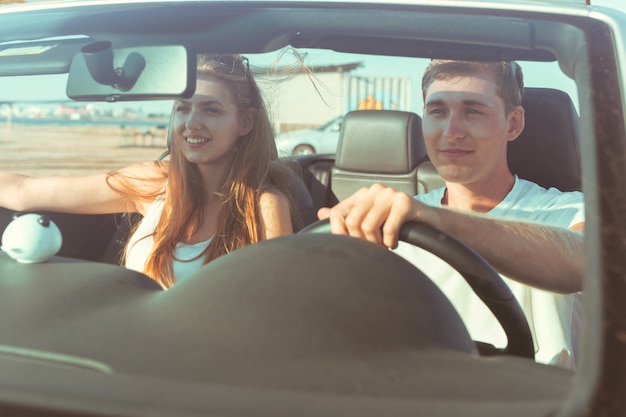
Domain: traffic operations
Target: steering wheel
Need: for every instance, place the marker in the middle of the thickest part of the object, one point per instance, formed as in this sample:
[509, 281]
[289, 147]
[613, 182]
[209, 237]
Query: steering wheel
[477, 272]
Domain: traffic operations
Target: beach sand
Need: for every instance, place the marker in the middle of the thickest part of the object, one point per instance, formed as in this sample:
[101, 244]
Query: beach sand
[81, 150]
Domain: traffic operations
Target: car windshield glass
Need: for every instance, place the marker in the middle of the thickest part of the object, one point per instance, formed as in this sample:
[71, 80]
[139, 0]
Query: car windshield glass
[329, 124]
[84, 137]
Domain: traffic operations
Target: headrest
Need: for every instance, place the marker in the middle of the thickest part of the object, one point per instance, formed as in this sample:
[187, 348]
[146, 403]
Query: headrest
[380, 142]
[547, 152]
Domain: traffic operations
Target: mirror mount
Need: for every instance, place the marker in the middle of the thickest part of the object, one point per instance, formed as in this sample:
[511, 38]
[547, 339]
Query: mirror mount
[99, 59]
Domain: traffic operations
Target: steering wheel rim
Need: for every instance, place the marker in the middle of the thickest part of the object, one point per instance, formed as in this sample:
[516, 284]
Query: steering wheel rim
[486, 283]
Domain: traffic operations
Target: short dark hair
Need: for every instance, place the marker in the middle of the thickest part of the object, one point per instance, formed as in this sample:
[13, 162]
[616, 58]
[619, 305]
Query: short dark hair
[509, 77]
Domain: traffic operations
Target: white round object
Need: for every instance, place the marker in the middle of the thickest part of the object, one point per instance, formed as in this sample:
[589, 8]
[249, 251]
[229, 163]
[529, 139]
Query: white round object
[31, 238]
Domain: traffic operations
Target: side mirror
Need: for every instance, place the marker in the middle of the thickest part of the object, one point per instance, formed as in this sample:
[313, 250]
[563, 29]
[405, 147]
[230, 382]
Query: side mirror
[102, 73]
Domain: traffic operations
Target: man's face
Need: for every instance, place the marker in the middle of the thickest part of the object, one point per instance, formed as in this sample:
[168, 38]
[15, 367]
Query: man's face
[466, 129]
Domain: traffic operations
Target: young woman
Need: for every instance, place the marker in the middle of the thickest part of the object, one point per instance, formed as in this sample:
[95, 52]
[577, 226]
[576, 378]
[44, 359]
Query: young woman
[221, 189]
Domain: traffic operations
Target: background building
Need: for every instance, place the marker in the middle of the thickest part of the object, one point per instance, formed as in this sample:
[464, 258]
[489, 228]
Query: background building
[309, 100]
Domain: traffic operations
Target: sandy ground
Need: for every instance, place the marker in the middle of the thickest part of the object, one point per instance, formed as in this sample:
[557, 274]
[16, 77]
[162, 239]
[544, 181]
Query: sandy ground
[60, 150]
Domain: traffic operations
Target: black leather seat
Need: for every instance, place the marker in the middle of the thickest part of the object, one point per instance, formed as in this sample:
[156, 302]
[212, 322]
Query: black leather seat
[375, 146]
[548, 150]
[382, 146]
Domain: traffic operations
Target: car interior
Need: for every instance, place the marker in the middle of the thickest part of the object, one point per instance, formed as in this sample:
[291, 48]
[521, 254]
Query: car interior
[375, 147]
[302, 325]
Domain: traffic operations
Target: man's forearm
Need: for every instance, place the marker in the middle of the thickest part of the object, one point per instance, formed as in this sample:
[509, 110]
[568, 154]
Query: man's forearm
[542, 256]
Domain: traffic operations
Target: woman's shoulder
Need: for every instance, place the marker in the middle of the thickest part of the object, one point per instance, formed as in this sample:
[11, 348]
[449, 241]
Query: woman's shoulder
[275, 213]
[272, 196]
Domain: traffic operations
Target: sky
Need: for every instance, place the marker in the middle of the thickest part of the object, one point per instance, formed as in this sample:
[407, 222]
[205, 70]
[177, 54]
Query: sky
[534, 73]
[614, 4]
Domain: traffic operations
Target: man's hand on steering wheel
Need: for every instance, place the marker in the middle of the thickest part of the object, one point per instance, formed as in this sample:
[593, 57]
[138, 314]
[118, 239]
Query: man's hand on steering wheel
[376, 214]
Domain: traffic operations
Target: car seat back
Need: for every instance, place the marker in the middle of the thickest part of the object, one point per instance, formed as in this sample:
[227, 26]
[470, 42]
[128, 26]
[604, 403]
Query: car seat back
[383, 146]
[547, 152]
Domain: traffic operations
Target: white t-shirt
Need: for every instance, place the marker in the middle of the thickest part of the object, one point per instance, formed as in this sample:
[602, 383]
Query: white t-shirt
[554, 319]
[186, 260]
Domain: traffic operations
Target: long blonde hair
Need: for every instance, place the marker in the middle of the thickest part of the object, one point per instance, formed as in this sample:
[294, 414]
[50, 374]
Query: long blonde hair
[255, 169]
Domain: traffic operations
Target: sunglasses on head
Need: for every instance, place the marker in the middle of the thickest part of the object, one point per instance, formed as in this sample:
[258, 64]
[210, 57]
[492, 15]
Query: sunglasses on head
[236, 63]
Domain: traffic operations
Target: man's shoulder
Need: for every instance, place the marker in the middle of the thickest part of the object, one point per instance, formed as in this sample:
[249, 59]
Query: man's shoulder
[528, 189]
[531, 201]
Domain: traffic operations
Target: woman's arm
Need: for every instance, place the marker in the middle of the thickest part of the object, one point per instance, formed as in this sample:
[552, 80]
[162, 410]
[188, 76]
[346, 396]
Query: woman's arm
[81, 194]
[275, 214]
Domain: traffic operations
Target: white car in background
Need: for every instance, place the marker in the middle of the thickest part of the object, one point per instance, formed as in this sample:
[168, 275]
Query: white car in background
[322, 139]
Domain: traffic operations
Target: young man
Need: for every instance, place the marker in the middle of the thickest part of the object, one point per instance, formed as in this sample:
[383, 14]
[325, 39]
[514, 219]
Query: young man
[529, 234]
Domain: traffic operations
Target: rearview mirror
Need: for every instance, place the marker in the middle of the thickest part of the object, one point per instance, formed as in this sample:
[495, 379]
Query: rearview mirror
[102, 73]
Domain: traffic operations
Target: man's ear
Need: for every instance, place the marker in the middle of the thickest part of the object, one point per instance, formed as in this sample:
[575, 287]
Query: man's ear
[247, 121]
[516, 123]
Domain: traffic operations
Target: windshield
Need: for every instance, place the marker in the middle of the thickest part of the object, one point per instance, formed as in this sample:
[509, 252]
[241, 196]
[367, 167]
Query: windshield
[89, 137]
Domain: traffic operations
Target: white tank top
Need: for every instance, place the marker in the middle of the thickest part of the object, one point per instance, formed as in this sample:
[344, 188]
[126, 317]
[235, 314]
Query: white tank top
[186, 259]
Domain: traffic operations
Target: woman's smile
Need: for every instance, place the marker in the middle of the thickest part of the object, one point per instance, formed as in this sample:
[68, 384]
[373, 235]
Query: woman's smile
[196, 140]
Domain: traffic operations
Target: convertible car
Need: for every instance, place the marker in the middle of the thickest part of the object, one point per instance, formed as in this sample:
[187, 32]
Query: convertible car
[313, 323]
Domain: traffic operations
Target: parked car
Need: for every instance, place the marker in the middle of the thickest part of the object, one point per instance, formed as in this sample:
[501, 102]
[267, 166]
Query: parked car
[311, 324]
[322, 139]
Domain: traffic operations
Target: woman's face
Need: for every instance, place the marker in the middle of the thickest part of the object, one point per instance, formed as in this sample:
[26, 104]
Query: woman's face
[208, 125]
